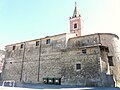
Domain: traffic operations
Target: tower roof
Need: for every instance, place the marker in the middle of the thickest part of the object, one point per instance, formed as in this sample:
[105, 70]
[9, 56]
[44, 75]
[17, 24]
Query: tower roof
[76, 11]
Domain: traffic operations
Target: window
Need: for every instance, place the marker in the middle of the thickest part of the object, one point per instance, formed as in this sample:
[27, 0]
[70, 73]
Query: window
[13, 47]
[84, 51]
[78, 66]
[75, 25]
[110, 60]
[107, 49]
[21, 46]
[37, 43]
[48, 41]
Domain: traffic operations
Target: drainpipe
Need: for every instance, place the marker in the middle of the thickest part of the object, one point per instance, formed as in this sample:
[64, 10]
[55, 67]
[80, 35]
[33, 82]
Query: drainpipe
[22, 62]
[38, 79]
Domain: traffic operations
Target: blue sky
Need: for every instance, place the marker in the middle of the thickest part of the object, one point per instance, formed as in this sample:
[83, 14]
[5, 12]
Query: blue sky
[23, 20]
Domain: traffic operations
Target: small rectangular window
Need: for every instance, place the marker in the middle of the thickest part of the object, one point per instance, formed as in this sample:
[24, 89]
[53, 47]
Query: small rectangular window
[21, 46]
[110, 60]
[78, 66]
[37, 43]
[84, 51]
[48, 41]
[13, 47]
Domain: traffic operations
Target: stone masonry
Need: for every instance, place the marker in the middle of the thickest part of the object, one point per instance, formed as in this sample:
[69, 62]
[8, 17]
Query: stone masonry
[89, 60]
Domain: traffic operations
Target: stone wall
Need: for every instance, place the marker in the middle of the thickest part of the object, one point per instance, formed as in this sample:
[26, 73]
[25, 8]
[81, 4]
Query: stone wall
[31, 63]
[13, 63]
[112, 42]
[106, 45]
[59, 58]
[89, 72]
[2, 55]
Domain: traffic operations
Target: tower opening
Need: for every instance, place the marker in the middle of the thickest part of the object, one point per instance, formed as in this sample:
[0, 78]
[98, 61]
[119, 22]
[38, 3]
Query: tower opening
[75, 25]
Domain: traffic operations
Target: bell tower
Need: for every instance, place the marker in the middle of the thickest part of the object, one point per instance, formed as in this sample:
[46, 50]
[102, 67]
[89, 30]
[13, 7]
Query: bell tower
[75, 22]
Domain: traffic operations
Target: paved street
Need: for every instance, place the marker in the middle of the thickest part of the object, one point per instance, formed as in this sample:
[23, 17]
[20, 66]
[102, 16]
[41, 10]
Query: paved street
[55, 87]
[80, 88]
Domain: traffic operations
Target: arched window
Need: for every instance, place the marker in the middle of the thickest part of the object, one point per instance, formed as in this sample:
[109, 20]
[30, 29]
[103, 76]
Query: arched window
[75, 25]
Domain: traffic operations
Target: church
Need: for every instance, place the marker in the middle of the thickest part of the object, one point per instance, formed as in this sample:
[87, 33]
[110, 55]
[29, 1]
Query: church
[65, 59]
